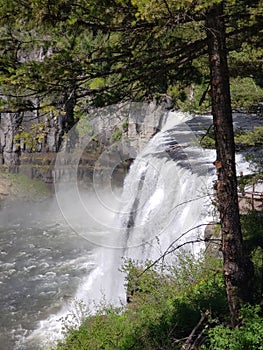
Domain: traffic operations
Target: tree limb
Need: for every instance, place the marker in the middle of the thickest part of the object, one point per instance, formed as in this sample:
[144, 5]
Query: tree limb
[191, 340]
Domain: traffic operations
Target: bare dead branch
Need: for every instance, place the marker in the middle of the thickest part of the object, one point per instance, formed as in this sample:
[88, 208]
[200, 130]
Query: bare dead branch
[191, 340]
[171, 248]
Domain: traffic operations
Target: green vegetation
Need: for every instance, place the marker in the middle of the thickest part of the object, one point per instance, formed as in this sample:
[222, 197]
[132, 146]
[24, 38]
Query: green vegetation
[117, 134]
[63, 56]
[164, 308]
[242, 139]
[167, 302]
[246, 95]
[250, 138]
[248, 336]
[21, 187]
[188, 98]
[31, 138]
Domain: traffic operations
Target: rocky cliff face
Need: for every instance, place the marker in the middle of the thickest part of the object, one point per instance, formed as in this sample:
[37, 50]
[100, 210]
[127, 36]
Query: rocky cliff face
[29, 142]
[9, 152]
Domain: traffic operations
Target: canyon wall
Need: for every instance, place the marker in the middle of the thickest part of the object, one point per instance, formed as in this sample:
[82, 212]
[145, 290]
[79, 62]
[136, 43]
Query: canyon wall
[29, 142]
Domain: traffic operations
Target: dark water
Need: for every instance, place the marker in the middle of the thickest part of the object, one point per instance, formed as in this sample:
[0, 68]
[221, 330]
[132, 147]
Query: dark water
[42, 263]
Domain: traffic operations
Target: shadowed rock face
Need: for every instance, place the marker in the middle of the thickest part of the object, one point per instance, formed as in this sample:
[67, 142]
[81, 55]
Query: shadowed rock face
[35, 155]
[10, 123]
[212, 236]
[22, 135]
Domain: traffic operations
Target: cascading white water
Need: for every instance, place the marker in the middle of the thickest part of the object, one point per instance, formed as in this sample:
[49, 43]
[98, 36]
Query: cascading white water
[164, 198]
[165, 192]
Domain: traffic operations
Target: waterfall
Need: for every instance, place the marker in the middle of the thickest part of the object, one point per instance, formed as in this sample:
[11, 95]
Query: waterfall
[163, 204]
[165, 200]
[165, 193]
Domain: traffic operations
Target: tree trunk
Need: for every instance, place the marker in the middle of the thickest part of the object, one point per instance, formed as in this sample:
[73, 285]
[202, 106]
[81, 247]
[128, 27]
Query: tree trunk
[234, 262]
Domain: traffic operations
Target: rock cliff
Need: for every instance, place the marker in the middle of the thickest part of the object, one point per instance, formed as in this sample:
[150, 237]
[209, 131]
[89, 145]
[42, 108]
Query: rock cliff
[29, 142]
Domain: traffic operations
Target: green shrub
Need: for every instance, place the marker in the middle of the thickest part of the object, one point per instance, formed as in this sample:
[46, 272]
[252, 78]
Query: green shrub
[242, 139]
[245, 93]
[249, 336]
[252, 228]
[117, 134]
[250, 138]
[165, 306]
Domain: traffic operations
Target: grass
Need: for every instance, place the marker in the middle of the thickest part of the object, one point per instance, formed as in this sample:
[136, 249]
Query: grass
[21, 187]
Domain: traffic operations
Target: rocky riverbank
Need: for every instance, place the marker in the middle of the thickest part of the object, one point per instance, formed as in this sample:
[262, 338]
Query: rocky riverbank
[5, 187]
[19, 187]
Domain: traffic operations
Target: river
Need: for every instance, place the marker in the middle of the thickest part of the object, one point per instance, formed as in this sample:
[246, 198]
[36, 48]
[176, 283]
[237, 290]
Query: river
[43, 262]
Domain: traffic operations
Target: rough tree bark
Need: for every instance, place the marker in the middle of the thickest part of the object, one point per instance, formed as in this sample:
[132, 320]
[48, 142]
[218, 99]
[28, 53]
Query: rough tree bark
[235, 267]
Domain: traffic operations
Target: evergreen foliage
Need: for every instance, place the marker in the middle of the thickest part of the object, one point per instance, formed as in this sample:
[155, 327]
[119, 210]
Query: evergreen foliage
[102, 52]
